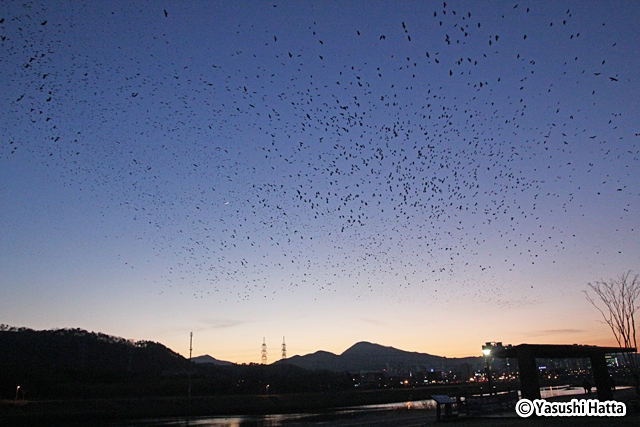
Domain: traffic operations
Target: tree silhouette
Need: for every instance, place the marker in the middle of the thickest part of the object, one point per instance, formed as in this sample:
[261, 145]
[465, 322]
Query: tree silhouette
[618, 303]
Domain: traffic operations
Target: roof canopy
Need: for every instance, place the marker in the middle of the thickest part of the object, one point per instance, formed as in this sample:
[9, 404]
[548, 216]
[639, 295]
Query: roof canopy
[556, 350]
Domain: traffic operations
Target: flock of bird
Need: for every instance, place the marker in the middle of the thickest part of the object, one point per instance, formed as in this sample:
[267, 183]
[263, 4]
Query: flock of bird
[425, 154]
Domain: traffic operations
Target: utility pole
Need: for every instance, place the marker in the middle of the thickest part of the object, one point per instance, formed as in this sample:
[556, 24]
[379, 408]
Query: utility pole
[264, 351]
[190, 351]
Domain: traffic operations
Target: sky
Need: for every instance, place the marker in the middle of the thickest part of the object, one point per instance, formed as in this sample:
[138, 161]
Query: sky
[423, 175]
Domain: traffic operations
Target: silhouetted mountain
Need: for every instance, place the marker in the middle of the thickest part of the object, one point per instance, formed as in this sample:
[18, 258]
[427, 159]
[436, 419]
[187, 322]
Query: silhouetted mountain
[206, 359]
[77, 349]
[375, 357]
[74, 363]
[318, 361]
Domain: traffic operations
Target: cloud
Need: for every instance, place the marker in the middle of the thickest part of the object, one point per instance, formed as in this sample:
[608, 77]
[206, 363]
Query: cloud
[221, 323]
[559, 332]
[376, 322]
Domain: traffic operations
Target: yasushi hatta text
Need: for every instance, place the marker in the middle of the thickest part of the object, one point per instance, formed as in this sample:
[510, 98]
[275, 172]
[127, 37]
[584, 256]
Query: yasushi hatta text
[574, 408]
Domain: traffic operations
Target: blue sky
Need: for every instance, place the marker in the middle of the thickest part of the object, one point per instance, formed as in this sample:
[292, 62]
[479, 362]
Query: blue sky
[415, 174]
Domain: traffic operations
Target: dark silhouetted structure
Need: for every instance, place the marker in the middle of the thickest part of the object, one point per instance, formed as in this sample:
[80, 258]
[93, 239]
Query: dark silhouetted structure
[284, 350]
[527, 354]
[263, 352]
[450, 411]
[190, 354]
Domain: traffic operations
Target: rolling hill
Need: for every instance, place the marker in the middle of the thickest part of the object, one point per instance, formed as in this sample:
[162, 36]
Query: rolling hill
[375, 357]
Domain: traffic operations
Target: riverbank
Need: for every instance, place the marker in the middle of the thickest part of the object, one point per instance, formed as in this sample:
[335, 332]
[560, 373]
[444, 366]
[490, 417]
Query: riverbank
[314, 408]
[102, 410]
[421, 417]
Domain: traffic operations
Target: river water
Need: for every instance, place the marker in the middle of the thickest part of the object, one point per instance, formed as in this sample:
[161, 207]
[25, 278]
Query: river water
[419, 407]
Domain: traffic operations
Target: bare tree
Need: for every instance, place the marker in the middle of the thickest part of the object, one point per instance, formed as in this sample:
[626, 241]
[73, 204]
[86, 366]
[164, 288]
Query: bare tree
[617, 301]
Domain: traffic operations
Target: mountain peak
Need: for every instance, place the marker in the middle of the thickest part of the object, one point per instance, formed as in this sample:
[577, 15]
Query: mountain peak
[365, 355]
[365, 347]
[209, 359]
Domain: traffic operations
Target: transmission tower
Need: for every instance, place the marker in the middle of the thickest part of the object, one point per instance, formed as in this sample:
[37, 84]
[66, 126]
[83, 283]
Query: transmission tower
[284, 350]
[190, 351]
[264, 351]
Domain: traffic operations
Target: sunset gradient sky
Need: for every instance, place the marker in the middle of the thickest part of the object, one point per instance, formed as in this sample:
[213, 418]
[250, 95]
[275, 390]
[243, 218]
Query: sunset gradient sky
[422, 175]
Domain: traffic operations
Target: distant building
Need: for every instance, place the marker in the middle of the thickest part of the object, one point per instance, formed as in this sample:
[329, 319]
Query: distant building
[465, 372]
[371, 379]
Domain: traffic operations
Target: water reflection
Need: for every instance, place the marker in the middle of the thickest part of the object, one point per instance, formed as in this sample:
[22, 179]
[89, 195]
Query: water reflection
[561, 390]
[280, 419]
[284, 419]
[226, 421]
[416, 404]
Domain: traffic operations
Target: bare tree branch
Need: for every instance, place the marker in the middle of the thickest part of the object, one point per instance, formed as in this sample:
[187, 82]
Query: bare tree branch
[617, 302]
